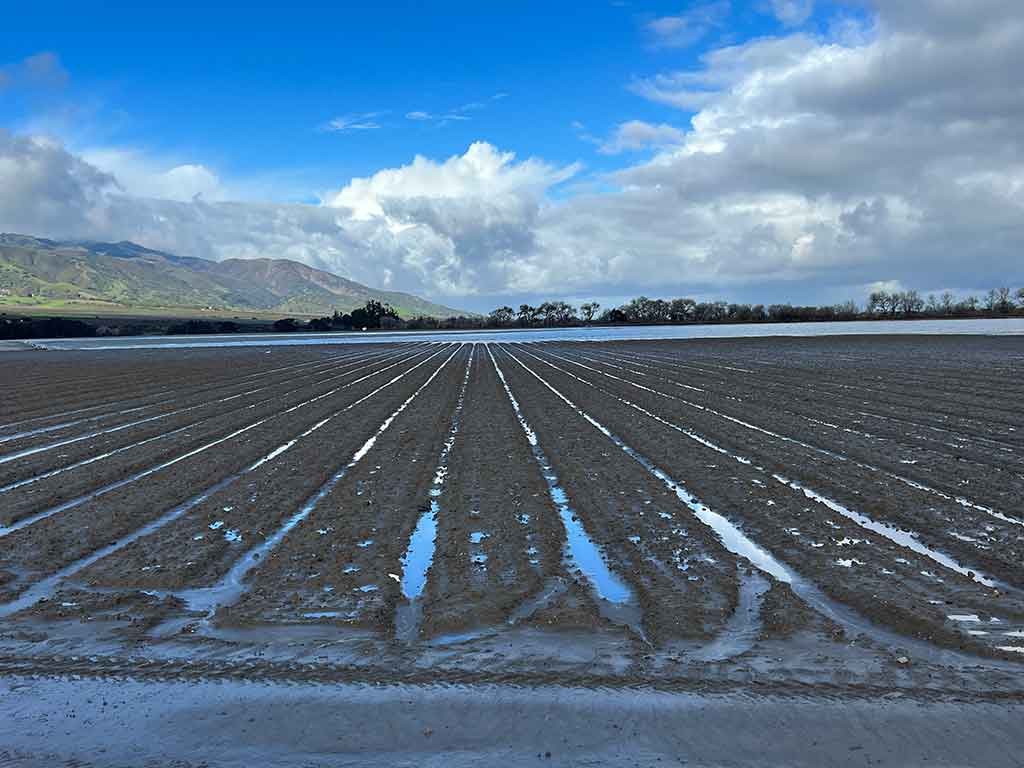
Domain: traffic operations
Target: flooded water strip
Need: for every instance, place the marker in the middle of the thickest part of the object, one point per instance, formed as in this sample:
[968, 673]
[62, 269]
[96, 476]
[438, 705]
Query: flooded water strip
[907, 539]
[110, 487]
[961, 500]
[69, 441]
[419, 554]
[230, 587]
[730, 535]
[734, 540]
[580, 549]
[45, 587]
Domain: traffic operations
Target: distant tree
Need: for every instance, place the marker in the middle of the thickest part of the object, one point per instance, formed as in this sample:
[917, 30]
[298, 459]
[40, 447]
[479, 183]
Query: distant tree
[681, 310]
[1020, 298]
[557, 313]
[998, 300]
[502, 316]
[848, 310]
[613, 315]
[321, 324]
[286, 325]
[909, 302]
[589, 309]
[947, 302]
[527, 314]
[48, 328]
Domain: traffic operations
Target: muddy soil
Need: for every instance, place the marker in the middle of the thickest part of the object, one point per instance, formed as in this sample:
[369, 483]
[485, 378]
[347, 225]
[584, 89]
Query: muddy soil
[158, 576]
[866, 571]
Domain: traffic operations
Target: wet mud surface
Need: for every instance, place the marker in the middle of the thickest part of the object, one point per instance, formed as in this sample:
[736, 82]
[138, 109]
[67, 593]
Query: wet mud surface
[838, 517]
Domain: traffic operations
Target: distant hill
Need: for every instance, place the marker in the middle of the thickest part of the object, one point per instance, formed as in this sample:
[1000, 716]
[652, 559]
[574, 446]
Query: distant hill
[35, 271]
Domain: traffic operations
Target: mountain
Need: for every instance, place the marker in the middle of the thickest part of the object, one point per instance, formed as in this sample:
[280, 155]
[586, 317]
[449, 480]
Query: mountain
[38, 271]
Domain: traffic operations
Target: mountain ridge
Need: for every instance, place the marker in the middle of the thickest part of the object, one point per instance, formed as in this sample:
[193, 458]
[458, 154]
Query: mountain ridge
[37, 270]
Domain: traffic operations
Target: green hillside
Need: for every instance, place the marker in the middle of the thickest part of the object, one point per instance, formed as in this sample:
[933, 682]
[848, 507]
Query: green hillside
[35, 272]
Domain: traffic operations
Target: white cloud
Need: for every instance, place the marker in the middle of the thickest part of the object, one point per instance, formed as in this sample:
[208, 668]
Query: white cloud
[636, 135]
[366, 121]
[792, 12]
[809, 169]
[685, 29]
[140, 175]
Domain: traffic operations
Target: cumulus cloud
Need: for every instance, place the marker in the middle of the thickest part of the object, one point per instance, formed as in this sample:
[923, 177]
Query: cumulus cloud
[142, 176]
[810, 169]
[45, 189]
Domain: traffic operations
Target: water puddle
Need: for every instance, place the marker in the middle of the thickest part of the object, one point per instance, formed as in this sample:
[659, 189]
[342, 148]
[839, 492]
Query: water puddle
[744, 626]
[419, 554]
[580, 553]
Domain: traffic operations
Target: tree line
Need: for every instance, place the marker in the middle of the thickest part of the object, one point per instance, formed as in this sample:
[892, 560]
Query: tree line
[999, 302]
[374, 315]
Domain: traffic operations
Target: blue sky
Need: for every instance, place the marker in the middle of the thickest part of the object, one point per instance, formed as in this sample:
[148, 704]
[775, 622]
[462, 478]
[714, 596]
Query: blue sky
[246, 88]
[760, 150]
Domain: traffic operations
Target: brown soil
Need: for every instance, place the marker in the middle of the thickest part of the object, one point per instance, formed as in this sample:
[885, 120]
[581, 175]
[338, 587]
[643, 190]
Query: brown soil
[860, 420]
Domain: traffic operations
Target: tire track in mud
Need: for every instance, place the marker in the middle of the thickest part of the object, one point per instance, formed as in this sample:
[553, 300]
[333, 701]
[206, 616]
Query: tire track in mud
[50, 539]
[499, 556]
[46, 586]
[199, 548]
[926, 448]
[12, 508]
[684, 579]
[124, 398]
[890, 366]
[739, 543]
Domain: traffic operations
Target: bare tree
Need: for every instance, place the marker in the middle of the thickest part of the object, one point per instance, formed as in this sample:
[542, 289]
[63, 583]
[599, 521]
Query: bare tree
[909, 302]
[948, 300]
[588, 310]
[998, 300]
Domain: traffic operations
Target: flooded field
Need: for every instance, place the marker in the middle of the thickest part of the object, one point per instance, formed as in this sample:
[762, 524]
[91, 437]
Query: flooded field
[823, 516]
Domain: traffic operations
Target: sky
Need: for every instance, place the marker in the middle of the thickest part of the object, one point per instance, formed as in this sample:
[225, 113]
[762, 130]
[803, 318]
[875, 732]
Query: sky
[769, 150]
